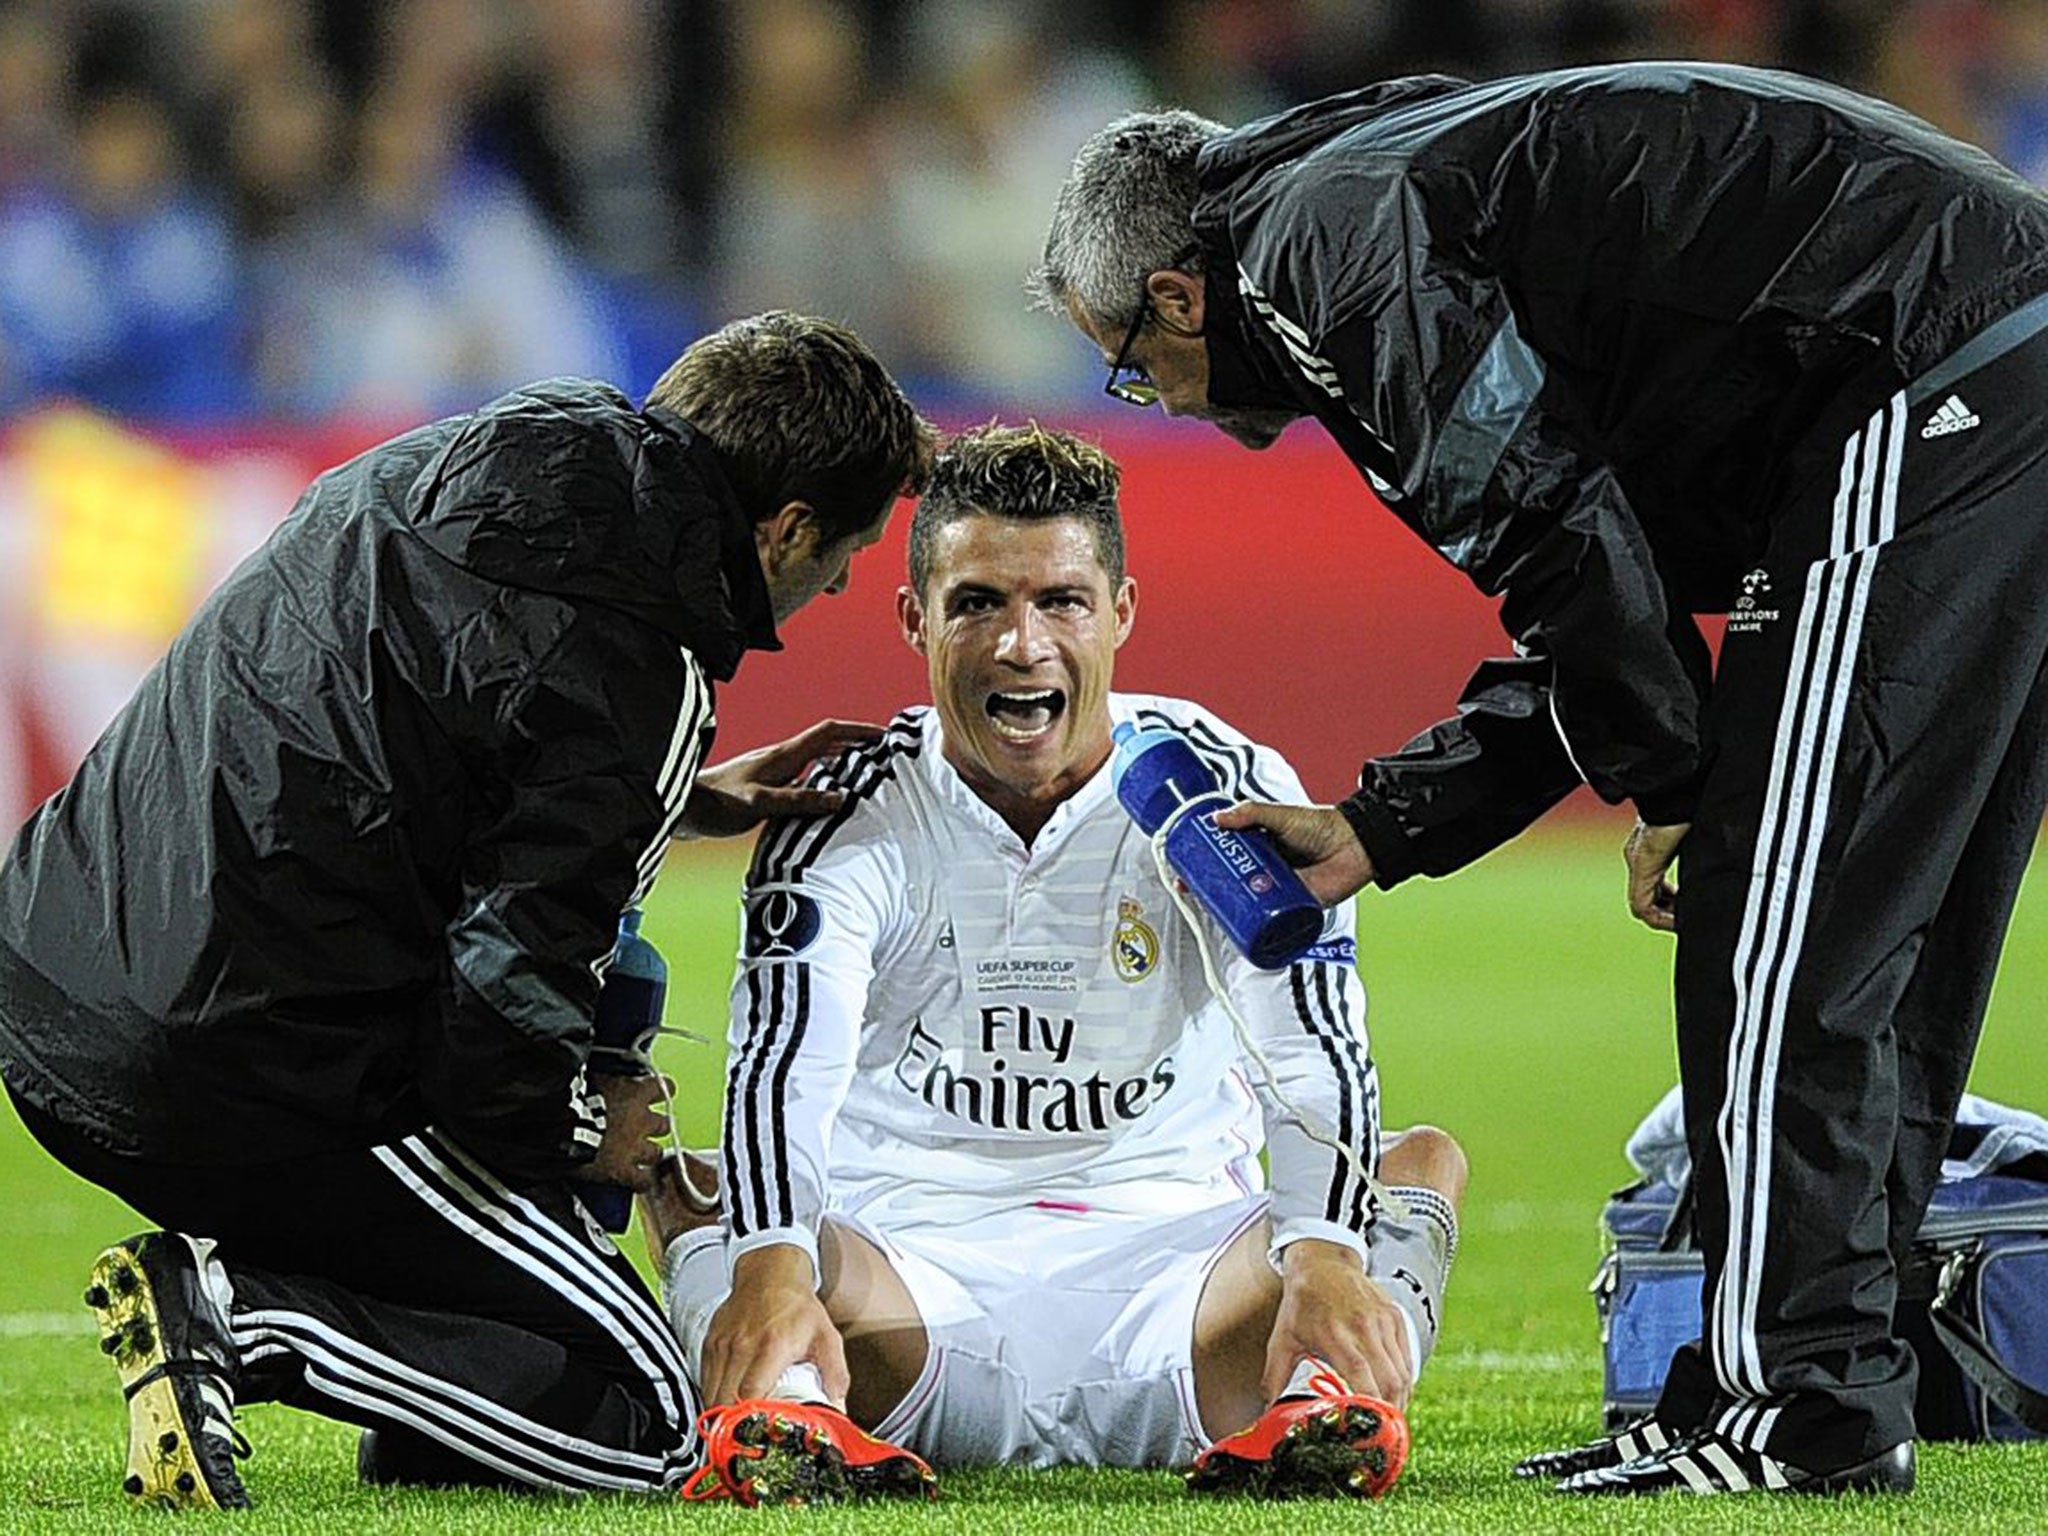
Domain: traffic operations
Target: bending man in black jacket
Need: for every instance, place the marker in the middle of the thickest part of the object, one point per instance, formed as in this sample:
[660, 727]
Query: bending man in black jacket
[303, 962]
[1626, 345]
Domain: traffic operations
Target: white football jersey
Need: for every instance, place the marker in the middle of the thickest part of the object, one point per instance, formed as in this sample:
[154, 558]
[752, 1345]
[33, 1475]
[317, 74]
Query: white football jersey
[931, 1020]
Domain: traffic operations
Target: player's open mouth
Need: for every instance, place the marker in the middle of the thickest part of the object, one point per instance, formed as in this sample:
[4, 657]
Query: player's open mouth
[1025, 714]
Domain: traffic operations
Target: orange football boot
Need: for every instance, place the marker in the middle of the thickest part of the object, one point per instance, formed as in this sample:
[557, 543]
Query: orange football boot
[764, 1450]
[1334, 1443]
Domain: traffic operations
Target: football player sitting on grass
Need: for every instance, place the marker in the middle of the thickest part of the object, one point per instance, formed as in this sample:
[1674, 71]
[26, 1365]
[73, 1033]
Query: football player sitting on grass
[990, 1151]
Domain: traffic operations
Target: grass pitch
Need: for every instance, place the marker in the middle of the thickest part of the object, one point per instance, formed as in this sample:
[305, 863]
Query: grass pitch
[1515, 1004]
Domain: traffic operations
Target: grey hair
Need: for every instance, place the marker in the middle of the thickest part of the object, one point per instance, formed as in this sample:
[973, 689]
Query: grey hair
[1122, 214]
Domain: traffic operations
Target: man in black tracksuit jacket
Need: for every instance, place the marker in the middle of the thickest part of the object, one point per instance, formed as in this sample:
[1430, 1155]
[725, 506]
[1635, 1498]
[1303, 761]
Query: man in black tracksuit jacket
[303, 962]
[1625, 345]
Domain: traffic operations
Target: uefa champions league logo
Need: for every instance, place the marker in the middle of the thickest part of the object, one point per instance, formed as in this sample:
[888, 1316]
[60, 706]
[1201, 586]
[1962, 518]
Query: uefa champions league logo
[1747, 618]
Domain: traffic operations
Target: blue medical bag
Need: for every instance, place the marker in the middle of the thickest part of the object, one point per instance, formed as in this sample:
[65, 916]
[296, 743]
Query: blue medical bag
[1973, 1301]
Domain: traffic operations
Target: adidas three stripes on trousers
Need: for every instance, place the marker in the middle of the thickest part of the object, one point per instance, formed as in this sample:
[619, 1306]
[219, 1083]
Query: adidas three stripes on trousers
[488, 1333]
[1877, 772]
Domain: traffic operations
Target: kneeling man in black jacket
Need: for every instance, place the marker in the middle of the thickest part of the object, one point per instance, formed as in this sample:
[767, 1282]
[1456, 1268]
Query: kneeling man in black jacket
[302, 964]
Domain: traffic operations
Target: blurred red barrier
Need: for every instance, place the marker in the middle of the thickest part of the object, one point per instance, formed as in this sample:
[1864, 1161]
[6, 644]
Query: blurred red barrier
[1272, 588]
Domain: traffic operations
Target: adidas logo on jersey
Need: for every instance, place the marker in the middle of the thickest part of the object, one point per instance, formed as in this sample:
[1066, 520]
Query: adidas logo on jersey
[1951, 416]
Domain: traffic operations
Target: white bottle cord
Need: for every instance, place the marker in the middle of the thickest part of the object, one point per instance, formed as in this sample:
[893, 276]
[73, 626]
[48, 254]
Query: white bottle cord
[639, 1058]
[1381, 1197]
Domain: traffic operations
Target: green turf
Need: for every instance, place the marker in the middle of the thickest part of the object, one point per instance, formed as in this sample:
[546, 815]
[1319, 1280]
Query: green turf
[1515, 1005]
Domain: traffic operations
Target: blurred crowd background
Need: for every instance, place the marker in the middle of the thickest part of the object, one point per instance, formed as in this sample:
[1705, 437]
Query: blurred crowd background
[377, 209]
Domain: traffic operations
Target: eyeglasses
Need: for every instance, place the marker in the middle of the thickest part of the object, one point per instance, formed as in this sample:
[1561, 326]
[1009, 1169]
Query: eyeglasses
[1137, 389]
[1128, 381]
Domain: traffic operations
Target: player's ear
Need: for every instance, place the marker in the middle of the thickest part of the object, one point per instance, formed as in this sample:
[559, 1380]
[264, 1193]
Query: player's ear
[1178, 300]
[1126, 609]
[783, 533]
[910, 618]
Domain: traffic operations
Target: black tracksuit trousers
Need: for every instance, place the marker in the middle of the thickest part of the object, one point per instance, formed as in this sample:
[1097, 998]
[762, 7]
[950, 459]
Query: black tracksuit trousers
[1878, 769]
[490, 1334]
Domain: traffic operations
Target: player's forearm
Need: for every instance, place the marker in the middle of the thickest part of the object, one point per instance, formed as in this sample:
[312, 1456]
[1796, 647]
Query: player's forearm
[793, 1036]
[775, 1264]
[779, 1255]
[1307, 1259]
[794, 1033]
[1312, 1234]
[1318, 1196]
[1325, 1075]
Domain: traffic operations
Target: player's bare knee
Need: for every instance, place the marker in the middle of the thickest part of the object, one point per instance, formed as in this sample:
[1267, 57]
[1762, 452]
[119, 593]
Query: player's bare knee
[1427, 1156]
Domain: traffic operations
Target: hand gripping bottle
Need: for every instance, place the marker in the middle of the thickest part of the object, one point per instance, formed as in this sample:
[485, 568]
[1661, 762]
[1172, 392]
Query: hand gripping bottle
[628, 1016]
[1239, 877]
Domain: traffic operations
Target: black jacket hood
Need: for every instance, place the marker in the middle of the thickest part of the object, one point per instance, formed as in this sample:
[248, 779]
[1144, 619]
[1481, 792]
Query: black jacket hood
[684, 562]
[1281, 138]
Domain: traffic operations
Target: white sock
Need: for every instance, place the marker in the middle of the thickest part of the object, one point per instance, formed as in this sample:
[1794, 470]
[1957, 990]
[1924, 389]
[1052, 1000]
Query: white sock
[693, 1285]
[1436, 1216]
[801, 1383]
[1302, 1382]
[1411, 1258]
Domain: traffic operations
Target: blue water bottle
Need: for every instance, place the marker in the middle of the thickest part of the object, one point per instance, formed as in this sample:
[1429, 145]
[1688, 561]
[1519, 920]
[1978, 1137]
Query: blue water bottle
[629, 1006]
[1239, 877]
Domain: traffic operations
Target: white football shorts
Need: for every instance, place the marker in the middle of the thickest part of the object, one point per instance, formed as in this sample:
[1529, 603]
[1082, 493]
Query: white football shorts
[1065, 1337]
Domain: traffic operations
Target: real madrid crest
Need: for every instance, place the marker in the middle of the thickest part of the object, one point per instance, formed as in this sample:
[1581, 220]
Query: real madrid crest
[1134, 947]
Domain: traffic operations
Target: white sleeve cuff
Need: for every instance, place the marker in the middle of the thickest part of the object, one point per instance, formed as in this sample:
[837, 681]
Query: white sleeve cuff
[793, 1237]
[1287, 1233]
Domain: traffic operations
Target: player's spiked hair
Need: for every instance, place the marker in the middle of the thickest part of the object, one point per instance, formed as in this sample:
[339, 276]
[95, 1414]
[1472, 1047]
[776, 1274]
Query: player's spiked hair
[1028, 473]
[1122, 215]
[802, 411]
